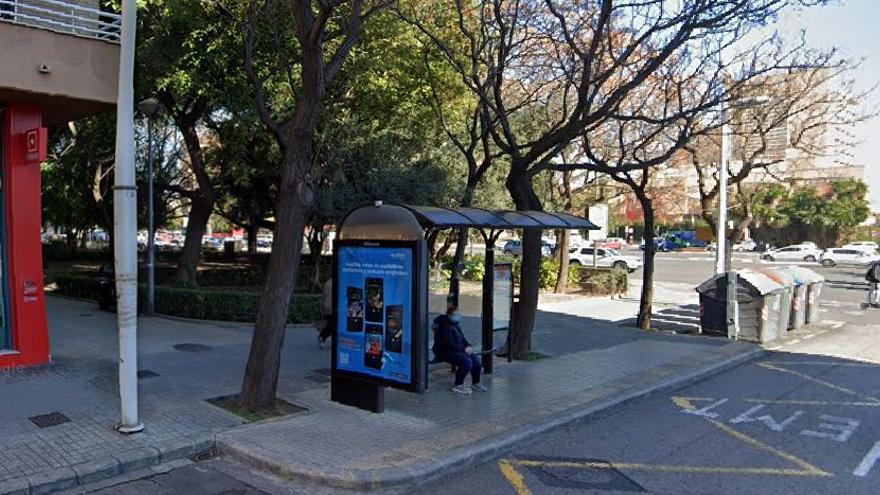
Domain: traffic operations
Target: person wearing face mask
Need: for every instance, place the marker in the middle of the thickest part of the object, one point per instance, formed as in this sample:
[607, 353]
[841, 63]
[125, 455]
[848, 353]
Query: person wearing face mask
[450, 346]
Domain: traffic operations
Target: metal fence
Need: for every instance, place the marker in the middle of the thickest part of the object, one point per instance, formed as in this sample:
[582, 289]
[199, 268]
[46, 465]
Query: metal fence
[78, 17]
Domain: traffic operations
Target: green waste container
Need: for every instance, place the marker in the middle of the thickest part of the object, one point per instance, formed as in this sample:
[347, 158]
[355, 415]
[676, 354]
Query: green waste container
[758, 299]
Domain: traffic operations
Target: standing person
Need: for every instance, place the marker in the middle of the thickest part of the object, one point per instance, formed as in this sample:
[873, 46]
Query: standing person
[324, 325]
[873, 278]
[450, 346]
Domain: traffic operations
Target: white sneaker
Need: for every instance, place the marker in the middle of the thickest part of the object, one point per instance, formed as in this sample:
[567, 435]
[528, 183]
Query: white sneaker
[479, 387]
[461, 389]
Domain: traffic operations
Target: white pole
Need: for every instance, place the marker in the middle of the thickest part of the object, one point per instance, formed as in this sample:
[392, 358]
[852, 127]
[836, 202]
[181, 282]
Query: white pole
[723, 167]
[125, 226]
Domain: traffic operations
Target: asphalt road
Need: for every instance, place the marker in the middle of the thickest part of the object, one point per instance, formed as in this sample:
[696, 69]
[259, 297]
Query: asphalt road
[803, 420]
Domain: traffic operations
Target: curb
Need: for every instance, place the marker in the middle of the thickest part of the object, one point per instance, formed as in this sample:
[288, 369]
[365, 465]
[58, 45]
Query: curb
[431, 468]
[101, 469]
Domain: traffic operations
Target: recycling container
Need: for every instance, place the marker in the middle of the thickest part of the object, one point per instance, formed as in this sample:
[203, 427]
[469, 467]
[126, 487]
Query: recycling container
[759, 303]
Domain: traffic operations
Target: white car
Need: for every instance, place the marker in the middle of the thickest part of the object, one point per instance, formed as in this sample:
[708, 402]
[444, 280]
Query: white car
[869, 247]
[605, 258]
[746, 245]
[798, 252]
[847, 256]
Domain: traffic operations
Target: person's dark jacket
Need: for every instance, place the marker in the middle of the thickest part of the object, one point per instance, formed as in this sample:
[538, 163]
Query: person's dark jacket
[448, 338]
[873, 273]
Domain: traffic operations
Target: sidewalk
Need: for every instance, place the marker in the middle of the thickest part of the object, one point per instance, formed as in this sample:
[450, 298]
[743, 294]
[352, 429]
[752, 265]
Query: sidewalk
[595, 365]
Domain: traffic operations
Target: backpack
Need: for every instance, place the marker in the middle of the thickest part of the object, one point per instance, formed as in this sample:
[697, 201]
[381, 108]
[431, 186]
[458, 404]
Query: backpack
[873, 273]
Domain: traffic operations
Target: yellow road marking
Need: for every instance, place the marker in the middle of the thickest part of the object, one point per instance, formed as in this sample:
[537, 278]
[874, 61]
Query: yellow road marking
[513, 477]
[687, 402]
[806, 466]
[667, 468]
[827, 363]
[816, 380]
[796, 402]
[517, 481]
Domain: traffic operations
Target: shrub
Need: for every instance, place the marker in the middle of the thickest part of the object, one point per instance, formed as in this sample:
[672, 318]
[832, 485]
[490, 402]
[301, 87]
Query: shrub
[602, 281]
[198, 303]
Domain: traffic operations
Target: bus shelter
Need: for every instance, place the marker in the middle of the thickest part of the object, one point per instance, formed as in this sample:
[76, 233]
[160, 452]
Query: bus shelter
[380, 296]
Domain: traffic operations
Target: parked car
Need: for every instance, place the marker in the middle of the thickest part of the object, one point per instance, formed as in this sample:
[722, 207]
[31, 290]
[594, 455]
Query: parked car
[662, 244]
[847, 256]
[797, 252]
[869, 247]
[612, 243]
[514, 248]
[606, 258]
[745, 245]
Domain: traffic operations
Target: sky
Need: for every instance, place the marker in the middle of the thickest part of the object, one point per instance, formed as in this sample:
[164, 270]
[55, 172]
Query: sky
[852, 26]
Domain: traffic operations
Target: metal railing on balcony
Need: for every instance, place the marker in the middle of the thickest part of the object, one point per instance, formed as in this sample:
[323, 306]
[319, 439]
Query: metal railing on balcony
[70, 17]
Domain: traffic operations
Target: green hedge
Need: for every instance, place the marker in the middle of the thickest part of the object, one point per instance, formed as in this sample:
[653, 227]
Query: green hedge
[602, 281]
[196, 303]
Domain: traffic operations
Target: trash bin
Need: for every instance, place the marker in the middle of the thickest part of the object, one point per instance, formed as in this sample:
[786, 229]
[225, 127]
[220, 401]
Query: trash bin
[788, 288]
[758, 298]
[815, 284]
[807, 297]
[107, 292]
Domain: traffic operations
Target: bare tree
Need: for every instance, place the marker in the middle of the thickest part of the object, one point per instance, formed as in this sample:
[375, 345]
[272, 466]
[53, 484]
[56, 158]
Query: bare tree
[806, 118]
[589, 58]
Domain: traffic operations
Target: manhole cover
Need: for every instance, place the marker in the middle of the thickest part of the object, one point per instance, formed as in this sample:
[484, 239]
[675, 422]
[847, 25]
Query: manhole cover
[318, 378]
[583, 474]
[87, 315]
[147, 374]
[187, 347]
[51, 419]
[322, 371]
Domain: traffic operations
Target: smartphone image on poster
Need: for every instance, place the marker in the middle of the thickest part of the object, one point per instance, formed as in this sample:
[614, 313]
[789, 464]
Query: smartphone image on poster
[373, 347]
[354, 309]
[394, 328]
[375, 300]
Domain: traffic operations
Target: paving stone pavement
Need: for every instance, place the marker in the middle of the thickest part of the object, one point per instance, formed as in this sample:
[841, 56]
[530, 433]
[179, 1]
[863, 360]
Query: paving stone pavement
[594, 364]
[422, 437]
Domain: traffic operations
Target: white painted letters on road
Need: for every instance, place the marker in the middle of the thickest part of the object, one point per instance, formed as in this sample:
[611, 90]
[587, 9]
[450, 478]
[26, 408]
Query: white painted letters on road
[868, 461]
[706, 411]
[837, 429]
[748, 417]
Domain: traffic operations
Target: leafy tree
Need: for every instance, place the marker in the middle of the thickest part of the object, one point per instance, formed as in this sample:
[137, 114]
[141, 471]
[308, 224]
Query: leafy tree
[189, 58]
[293, 52]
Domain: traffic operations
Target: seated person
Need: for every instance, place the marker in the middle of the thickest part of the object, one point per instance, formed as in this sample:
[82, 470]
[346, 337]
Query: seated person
[450, 346]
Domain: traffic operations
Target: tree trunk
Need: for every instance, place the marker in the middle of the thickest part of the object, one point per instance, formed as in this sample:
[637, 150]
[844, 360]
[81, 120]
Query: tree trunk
[252, 230]
[71, 239]
[261, 374]
[643, 320]
[523, 194]
[563, 237]
[197, 224]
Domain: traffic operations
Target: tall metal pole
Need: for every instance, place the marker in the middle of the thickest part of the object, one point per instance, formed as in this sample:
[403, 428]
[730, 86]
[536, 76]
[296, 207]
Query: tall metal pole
[151, 228]
[723, 167]
[125, 226]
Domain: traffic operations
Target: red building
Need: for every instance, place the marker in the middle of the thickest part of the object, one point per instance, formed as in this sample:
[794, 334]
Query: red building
[59, 62]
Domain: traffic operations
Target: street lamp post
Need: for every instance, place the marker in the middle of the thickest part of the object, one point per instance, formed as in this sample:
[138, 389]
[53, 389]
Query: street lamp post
[150, 108]
[722, 261]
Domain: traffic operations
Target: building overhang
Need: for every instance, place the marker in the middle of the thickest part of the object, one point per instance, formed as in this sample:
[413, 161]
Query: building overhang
[69, 76]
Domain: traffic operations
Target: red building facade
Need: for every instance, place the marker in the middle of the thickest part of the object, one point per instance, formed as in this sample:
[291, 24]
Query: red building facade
[24, 336]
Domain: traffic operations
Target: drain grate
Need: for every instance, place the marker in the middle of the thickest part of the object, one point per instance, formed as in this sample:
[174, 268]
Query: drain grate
[578, 474]
[143, 374]
[188, 347]
[51, 419]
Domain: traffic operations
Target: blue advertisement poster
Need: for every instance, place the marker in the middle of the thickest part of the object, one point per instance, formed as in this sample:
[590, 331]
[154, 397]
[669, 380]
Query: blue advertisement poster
[375, 320]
